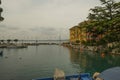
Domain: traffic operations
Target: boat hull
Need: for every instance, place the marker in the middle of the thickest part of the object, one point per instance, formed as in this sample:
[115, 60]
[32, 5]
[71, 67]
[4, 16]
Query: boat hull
[82, 76]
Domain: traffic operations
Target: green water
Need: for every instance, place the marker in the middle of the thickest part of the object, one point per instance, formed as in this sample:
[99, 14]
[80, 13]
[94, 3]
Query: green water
[94, 62]
[41, 61]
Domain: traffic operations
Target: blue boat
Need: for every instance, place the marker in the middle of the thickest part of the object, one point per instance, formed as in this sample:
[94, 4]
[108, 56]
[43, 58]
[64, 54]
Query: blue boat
[82, 76]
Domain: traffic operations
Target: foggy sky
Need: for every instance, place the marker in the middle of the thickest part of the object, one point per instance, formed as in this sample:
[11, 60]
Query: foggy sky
[42, 19]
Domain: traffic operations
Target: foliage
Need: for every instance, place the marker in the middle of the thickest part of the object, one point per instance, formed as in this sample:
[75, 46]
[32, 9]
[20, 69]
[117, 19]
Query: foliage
[1, 18]
[16, 40]
[105, 21]
[9, 40]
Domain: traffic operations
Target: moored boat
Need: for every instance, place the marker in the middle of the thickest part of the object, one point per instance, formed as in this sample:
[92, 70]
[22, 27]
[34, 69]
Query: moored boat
[17, 46]
[82, 76]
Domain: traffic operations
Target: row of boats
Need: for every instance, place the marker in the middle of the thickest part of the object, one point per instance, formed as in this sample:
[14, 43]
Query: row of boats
[108, 74]
[14, 46]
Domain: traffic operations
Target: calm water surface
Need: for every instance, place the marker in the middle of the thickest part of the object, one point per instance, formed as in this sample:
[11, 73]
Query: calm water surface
[41, 61]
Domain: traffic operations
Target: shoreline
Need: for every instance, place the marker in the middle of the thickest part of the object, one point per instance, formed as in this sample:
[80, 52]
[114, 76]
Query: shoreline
[87, 48]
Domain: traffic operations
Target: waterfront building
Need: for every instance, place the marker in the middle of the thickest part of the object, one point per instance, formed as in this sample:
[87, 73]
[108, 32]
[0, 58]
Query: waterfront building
[78, 33]
[83, 37]
[74, 34]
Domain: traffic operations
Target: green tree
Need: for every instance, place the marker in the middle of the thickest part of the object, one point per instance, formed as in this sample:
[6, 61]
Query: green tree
[16, 40]
[105, 20]
[2, 41]
[9, 40]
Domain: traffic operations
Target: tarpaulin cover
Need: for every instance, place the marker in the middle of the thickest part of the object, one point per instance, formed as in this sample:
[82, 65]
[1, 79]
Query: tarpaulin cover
[110, 74]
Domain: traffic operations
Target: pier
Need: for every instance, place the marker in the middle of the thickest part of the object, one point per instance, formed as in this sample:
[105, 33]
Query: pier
[6, 43]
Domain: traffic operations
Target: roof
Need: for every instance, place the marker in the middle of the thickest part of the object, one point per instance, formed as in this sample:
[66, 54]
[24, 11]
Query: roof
[74, 27]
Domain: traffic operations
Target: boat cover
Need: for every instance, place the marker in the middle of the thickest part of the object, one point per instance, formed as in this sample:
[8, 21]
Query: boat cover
[110, 74]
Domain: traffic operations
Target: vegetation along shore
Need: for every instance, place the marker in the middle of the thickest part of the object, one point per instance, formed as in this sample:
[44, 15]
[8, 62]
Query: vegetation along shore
[101, 31]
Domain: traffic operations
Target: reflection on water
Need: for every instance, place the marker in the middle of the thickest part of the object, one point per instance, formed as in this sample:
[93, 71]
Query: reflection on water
[41, 61]
[92, 62]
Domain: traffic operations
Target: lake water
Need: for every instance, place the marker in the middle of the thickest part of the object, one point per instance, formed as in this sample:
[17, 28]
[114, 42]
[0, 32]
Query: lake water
[41, 61]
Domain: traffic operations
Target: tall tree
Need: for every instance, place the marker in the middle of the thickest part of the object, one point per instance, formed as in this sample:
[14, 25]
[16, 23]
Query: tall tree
[105, 20]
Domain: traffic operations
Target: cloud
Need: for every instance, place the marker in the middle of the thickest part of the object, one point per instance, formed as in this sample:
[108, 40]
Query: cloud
[56, 13]
[45, 30]
[52, 17]
[6, 27]
[49, 32]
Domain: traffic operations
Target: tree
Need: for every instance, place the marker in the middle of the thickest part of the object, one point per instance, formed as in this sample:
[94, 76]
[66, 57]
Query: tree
[2, 41]
[16, 40]
[105, 21]
[1, 10]
[9, 40]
